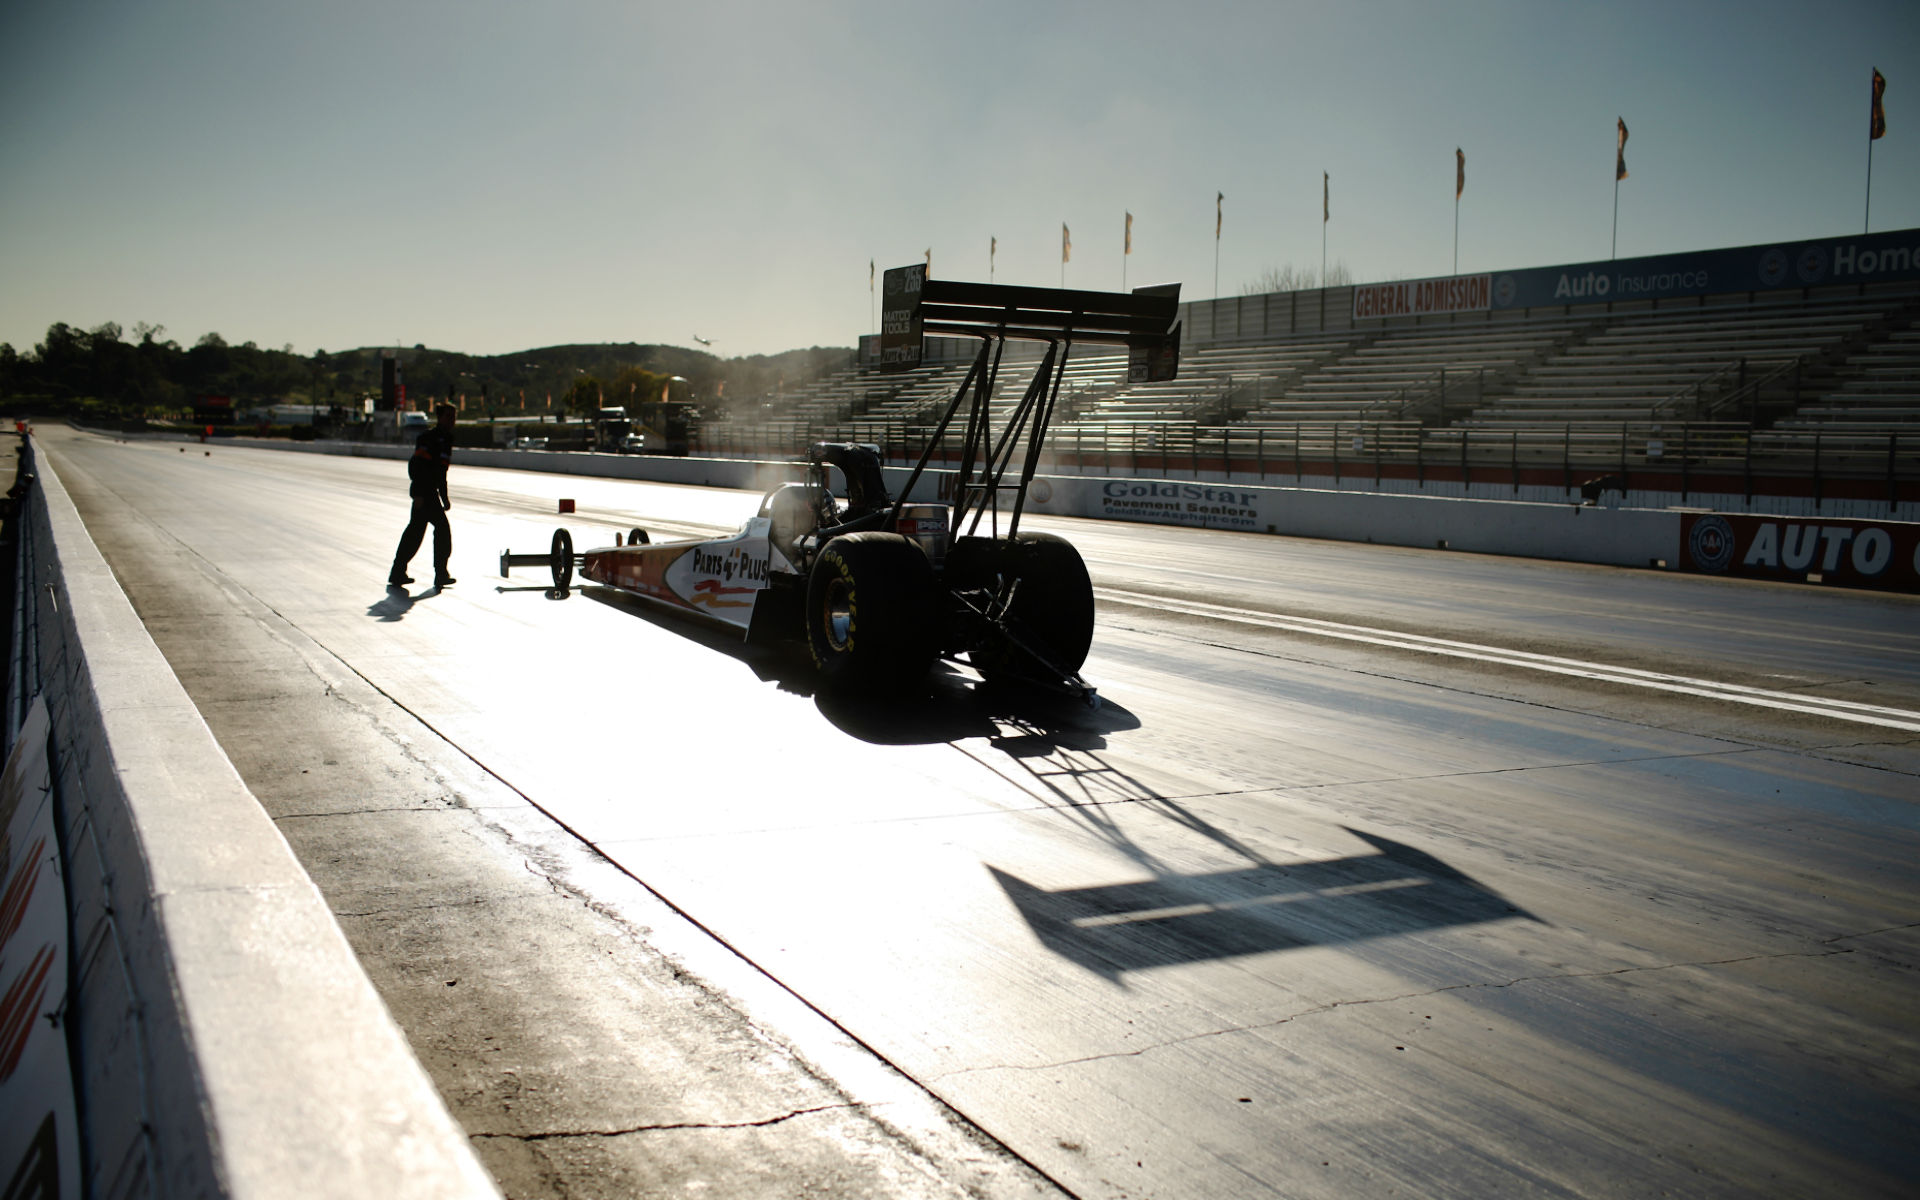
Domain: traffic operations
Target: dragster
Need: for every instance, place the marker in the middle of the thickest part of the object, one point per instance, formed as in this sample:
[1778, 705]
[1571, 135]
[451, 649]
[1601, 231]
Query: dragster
[881, 587]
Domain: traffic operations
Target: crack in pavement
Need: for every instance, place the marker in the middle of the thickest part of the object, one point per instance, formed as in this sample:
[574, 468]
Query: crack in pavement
[667, 1127]
[1318, 1009]
[420, 908]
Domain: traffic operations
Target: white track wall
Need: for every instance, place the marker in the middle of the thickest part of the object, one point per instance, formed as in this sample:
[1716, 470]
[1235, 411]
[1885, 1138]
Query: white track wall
[226, 1041]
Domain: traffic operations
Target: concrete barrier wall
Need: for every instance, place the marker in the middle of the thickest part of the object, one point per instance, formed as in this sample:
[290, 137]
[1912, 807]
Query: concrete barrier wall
[226, 1041]
[1632, 537]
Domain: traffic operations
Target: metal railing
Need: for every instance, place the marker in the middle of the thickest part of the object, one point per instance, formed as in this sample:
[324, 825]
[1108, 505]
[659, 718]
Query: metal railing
[1561, 454]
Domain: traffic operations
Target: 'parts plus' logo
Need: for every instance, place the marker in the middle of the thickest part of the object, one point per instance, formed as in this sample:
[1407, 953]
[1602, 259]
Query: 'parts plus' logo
[1711, 543]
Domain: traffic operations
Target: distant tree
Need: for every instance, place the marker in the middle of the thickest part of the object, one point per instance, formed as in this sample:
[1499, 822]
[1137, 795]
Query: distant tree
[207, 365]
[1289, 278]
[635, 385]
[583, 397]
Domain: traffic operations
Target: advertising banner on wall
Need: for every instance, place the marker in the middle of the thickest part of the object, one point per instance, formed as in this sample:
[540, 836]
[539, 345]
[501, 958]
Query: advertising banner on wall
[1876, 554]
[1859, 258]
[1419, 297]
[39, 1140]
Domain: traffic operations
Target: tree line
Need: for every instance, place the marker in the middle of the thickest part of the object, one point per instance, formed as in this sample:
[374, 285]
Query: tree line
[150, 375]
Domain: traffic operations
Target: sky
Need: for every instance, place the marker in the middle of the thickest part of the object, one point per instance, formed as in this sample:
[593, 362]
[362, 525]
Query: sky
[489, 175]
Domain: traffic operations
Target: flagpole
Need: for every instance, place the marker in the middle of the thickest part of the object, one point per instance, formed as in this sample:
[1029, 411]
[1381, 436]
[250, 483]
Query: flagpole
[1619, 173]
[1459, 186]
[1615, 251]
[1867, 220]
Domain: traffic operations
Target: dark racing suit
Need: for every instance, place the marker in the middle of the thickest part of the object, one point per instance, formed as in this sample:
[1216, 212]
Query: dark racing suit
[427, 470]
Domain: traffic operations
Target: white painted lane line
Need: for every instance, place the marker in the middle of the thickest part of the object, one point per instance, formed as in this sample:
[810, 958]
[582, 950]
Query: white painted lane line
[1842, 710]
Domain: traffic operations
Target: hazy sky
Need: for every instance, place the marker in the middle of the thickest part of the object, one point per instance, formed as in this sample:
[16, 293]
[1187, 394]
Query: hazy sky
[487, 176]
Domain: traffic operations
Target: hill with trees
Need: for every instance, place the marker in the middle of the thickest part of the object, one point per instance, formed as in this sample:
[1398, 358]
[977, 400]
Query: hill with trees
[100, 370]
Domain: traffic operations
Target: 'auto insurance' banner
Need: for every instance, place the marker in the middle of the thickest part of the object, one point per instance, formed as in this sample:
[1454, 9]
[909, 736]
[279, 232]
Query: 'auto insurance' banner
[1877, 554]
[1859, 258]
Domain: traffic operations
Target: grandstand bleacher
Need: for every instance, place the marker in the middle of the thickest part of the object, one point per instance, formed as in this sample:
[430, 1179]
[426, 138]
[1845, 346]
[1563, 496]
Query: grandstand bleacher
[1808, 391]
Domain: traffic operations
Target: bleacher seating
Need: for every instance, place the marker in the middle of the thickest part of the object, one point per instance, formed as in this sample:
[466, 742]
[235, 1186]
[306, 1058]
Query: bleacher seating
[1840, 362]
[1879, 391]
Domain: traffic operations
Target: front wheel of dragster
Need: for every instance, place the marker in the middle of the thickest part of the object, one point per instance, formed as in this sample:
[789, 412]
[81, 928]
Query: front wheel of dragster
[1051, 613]
[870, 611]
[560, 560]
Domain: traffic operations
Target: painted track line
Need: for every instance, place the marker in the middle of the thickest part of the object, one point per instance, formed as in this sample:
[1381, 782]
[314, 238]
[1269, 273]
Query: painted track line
[1839, 710]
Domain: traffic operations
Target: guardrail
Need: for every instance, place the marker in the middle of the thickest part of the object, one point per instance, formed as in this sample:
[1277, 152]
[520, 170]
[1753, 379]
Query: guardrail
[224, 1040]
[1567, 452]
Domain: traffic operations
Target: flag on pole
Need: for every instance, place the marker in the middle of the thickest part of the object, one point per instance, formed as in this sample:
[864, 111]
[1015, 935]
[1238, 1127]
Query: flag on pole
[1129, 248]
[1620, 153]
[869, 275]
[1459, 172]
[1066, 243]
[1326, 204]
[993, 248]
[1877, 128]
[929, 261]
[1219, 198]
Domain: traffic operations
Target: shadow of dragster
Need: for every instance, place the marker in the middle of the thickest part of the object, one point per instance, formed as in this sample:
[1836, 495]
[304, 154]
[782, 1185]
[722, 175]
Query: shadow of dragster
[1051, 747]
[953, 705]
[1116, 928]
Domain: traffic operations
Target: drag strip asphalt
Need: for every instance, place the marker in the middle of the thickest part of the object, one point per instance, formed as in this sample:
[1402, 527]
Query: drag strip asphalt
[1840, 710]
[1375, 871]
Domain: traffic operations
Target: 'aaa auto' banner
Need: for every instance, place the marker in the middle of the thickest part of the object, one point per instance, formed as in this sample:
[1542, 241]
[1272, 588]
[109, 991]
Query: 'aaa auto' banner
[1877, 554]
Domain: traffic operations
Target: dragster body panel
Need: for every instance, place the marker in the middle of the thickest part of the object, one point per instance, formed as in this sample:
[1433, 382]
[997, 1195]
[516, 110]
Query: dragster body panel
[719, 578]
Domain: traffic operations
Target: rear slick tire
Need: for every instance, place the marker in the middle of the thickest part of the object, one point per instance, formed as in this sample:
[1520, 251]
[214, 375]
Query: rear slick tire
[869, 611]
[1052, 609]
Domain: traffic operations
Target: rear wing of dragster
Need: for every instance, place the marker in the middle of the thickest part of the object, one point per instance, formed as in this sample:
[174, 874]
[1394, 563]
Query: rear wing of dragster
[915, 306]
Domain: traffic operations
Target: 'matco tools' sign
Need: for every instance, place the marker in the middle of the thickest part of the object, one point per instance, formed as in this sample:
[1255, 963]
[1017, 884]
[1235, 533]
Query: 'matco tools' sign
[900, 321]
[1877, 554]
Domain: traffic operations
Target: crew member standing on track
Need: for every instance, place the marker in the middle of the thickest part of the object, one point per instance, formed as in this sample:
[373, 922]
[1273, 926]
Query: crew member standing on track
[427, 470]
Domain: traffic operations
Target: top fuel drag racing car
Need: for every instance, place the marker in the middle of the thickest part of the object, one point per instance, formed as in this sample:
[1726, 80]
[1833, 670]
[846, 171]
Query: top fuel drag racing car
[878, 585]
